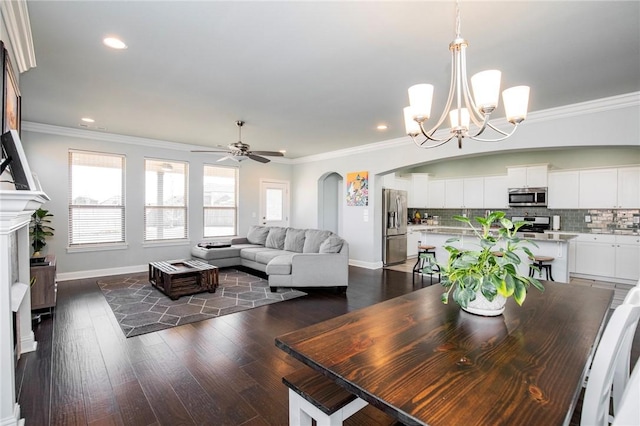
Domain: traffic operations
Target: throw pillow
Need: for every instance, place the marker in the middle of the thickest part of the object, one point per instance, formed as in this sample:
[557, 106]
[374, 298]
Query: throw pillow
[294, 241]
[333, 244]
[312, 240]
[257, 234]
[275, 239]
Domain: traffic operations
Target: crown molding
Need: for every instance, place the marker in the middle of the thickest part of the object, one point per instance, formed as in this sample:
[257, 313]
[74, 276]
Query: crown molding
[605, 104]
[16, 19]
[50, 129]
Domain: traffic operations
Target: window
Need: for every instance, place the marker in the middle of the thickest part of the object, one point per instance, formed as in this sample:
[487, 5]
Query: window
[220, 201]
[96, 198]
[165, 211]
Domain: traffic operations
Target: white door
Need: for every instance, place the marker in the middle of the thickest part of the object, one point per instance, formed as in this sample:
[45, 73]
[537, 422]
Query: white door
[274, 203]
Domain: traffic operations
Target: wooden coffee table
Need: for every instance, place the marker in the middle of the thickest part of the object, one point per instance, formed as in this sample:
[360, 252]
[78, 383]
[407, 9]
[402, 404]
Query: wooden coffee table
[183, 277]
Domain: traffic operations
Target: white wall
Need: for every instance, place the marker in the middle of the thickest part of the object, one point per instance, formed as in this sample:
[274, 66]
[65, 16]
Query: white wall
[48, 158]
[597, 128]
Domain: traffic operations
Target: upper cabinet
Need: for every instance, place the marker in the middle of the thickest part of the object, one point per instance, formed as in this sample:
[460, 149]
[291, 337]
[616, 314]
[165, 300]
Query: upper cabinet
[418, 194]
[467, 193]
[473, 193]
[617, 188]
[527, 176]
[629, 187]
[435, 195]
[564, 190]
[496, 192]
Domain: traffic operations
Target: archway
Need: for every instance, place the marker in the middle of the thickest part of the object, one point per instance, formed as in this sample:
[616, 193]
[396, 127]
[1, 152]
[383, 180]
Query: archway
[330, 202]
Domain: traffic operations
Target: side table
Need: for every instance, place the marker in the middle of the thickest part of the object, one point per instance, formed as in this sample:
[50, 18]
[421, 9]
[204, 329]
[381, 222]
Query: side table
[44, 289]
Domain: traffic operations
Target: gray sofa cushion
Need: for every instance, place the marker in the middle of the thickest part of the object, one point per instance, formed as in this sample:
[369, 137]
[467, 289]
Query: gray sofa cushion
[251, 253]
[257, 234]
[294, 241]
[280, 265]
[333, 244]
[276, 236]
[312, 240]
[266, 256]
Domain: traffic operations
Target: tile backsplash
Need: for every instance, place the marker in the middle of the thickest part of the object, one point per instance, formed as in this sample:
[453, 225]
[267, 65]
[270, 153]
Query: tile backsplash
[571, 220]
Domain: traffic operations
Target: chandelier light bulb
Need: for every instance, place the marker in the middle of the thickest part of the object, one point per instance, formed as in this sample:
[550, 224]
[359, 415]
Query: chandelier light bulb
[420, 100]
[486, 89]
[463, 123]
[516, 103]
[411, 126]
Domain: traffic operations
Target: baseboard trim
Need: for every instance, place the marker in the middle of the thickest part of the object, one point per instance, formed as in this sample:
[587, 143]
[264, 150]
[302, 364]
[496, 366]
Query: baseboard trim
[94, 273]
[366, 265]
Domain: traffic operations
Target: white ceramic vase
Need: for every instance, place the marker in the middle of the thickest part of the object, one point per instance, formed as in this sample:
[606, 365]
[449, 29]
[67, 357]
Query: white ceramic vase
[484, 307]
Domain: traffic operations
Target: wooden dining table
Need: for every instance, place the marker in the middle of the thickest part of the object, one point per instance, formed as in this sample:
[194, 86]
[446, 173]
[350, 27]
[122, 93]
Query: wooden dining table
[427, 363]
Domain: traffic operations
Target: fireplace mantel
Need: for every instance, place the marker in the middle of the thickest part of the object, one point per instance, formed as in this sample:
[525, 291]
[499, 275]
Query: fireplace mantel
[16, 208]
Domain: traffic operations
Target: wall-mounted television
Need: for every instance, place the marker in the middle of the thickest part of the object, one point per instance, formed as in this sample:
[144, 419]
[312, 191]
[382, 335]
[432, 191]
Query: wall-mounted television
[18, 166]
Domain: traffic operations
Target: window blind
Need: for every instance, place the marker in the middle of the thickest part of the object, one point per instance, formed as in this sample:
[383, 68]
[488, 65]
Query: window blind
[220, 201]
[165, 212]
[96, 198]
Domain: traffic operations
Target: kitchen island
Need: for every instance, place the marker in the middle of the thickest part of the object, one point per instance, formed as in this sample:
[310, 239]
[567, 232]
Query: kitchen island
[552, 244]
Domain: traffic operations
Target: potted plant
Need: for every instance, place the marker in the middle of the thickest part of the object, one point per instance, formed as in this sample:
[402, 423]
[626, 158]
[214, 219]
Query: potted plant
[481, 280]
[39, 230]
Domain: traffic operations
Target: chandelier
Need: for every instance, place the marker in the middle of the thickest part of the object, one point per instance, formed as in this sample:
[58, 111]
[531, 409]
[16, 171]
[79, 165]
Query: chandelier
[468, 109]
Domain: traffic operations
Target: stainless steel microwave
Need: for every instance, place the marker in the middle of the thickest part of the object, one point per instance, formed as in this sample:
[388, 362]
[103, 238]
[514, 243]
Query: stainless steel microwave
[527, 197]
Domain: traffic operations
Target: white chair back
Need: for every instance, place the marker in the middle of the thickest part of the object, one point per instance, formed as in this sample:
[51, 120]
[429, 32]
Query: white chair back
[621, 326]
[629, 409]
[621, 375]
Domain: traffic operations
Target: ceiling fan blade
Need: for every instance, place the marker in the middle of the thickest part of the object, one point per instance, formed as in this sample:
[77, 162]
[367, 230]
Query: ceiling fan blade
[269, 153]
[209, 150]
[258, 158]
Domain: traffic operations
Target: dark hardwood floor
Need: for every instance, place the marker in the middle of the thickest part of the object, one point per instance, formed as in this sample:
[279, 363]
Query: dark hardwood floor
[223, 371]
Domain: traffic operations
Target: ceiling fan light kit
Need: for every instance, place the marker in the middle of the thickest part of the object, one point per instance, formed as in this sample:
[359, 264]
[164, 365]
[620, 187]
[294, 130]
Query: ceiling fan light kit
[239, 151]
[468, 109]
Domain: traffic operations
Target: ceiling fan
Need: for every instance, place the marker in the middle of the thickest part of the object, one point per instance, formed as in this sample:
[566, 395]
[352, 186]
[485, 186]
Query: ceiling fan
[238, 151]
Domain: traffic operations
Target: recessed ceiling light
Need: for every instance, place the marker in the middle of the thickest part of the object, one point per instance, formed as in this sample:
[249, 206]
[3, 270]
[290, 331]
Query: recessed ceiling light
[382, 127]
[114, 43]
[88, 120]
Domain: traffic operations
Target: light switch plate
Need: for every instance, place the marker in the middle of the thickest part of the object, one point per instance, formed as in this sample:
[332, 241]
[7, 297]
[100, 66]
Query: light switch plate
[587, 218]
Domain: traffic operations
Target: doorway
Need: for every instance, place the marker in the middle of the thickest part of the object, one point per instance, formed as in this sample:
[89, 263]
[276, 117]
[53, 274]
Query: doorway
[330, 202]
[274, 203]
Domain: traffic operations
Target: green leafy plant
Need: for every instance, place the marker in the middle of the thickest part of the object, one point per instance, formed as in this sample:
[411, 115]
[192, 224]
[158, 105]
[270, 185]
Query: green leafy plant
[39, 229]
[469, 271]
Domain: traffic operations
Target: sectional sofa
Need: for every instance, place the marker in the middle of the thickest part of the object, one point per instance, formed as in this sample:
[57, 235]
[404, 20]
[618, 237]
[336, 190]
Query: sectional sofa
[290, 257]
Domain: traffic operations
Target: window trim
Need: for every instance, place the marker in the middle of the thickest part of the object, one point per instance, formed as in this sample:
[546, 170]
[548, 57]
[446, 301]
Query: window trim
[96, 245]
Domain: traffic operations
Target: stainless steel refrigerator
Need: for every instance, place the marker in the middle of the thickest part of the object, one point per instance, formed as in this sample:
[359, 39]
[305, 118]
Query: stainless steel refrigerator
[394, 222]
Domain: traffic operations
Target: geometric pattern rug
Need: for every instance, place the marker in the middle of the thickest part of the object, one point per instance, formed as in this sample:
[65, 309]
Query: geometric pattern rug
[140, 308]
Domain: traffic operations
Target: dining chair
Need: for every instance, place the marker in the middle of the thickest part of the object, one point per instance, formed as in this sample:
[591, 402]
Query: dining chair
[621, 375]
[621, 326]
[629, 408]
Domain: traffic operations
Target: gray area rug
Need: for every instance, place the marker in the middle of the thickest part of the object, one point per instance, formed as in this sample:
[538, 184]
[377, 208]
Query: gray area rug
[140, 308]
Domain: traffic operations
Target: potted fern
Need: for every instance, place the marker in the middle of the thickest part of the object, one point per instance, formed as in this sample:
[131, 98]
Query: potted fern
[39, 230]
[481, 280]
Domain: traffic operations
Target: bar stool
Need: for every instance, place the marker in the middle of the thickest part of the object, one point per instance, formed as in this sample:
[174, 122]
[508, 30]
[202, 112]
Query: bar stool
[424, 252]
[542, 263]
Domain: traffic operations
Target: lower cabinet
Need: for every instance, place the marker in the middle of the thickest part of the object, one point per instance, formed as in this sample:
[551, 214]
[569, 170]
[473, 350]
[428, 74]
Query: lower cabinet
[44, 287]
[608, 256]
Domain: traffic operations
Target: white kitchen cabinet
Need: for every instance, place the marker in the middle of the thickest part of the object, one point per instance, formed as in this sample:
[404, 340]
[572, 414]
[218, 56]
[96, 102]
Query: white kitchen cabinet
[595, 255]
[628, 188]
[627, 265]
[435, 194]
[419, 190]
[391, 181]
[495, 192]
[563, 190]
[598, 189]
[527, 176]
[454, 193]
[473, 193]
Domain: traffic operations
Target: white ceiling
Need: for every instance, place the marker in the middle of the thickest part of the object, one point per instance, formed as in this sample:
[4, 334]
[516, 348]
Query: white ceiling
[308, 77]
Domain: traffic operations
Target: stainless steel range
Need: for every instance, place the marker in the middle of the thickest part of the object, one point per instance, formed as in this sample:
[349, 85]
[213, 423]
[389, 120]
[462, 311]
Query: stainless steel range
[536, 224]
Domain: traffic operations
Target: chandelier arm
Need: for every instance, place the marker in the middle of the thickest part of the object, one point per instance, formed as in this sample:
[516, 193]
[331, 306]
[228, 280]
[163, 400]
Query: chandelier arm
[506, 135]
[438, 143]
[498, 130]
